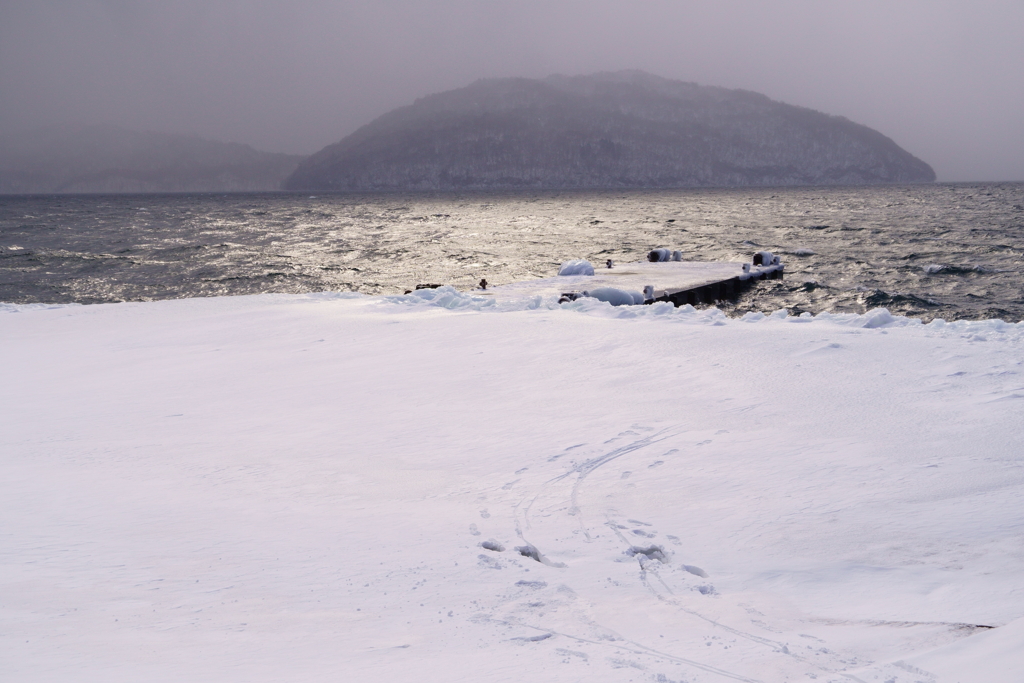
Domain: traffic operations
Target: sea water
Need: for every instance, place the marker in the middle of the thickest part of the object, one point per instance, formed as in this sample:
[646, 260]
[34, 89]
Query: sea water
[953, 251]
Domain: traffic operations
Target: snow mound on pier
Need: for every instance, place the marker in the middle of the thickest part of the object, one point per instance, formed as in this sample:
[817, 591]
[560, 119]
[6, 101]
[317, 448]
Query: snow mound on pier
[616, 297]
[576, 267]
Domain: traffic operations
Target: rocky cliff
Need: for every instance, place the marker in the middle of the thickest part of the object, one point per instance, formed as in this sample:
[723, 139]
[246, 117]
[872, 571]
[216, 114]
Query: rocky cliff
[619, 130]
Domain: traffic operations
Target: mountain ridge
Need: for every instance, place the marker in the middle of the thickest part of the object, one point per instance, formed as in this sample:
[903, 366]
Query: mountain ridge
[609, 130]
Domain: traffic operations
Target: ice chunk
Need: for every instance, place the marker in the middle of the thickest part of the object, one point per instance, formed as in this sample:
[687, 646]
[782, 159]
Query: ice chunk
[445, 296]
[576, 267]
[878, 317]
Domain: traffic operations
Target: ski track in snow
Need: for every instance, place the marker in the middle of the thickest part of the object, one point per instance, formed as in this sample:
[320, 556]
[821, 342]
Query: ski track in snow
[570, 506]
[823, 662]
[578, 475]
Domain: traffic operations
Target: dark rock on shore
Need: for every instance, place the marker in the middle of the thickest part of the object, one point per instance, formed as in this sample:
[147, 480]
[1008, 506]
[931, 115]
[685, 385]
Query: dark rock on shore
[611, 130]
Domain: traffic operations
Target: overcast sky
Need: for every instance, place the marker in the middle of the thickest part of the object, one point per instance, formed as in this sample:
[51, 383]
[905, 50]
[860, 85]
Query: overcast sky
[945, 80]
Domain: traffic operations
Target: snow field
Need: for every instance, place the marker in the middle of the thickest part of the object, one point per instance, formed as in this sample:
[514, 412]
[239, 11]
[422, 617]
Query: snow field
[297, 488]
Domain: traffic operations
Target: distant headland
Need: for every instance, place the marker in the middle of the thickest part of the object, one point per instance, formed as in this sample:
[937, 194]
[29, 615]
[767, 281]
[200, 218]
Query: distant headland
[611, 130]
[111, 159]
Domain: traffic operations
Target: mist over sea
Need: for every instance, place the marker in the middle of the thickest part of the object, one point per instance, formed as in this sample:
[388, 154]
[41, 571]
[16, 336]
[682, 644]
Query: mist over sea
[950, 251]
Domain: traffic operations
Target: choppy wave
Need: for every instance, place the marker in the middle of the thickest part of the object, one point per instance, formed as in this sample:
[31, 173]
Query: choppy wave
[927, 251]
[944, 269]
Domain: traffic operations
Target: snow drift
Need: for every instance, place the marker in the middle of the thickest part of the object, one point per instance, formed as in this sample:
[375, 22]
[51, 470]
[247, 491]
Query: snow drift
[329, 487]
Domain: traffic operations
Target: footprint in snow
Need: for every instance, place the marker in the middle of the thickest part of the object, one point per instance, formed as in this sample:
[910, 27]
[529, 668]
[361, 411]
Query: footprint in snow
[489, 562]
[572, 653]
[651, 552]
[531, 552]
[556, 457]
[620, 435]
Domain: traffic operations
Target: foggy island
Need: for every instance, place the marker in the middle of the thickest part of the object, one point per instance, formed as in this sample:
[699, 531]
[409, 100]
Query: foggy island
[627, 129]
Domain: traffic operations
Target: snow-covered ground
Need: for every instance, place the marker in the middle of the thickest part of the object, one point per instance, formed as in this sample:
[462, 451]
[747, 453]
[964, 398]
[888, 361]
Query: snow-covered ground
[334, 488]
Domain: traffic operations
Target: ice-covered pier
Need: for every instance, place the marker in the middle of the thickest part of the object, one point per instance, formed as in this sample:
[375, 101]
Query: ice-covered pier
[678, 282]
